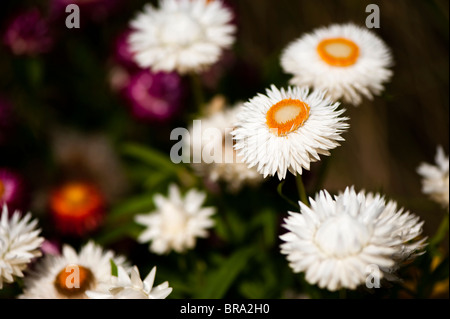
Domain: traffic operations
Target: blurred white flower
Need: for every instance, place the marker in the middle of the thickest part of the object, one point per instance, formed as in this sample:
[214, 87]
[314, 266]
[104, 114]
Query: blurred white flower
[181, 35]
[176, 222]
[338, 240]
[126, 286]
[229, 168]
[435, 181]
[71, 274]
[286, 130]
[19, 244]
[346, 60]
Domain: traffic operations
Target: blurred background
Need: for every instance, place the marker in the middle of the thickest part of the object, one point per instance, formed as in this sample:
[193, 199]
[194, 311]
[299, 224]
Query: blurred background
[66, 110]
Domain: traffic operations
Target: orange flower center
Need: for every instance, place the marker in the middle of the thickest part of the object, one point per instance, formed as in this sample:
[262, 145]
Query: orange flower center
[76, 199]
[2, 188]
[286, 116]
[338, 51]
[73, 280]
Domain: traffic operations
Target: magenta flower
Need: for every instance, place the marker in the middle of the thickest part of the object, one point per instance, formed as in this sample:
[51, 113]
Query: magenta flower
[28, 34]
[11, 189]
[154, 96]
[122, 52]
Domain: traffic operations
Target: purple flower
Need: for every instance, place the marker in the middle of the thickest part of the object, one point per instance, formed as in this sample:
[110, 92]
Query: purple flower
[11, 189]
[51, 247]
[154, 96]
[122, 52]
[28, 34]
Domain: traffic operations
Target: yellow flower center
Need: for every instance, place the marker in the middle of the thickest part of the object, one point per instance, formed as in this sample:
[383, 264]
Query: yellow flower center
[286, 116]
[2, 188]
[338, 51]
[73, 280]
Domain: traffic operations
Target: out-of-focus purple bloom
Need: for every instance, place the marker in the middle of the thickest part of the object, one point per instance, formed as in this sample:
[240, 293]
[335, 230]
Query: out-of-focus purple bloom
[50, 247]
[123, 62]
[212, 76]
[154, 96]
[6, 118]
[122, 53]
[11, 189]
[28, 34]
[94, 10]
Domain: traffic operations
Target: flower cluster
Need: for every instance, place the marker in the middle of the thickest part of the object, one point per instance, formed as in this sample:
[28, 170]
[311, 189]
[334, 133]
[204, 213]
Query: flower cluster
[158, 142]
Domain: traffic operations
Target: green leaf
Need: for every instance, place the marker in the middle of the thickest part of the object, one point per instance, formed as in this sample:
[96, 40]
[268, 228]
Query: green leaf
[442, 271]
[237, 226]
[222, 279]
[114, 271]
[156, 159]
[154, 180]
[267, 220]
[108, 236]
[132, 206]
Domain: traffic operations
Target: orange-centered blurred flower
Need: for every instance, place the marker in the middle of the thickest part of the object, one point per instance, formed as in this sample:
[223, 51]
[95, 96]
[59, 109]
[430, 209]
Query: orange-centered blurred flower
[77, 208]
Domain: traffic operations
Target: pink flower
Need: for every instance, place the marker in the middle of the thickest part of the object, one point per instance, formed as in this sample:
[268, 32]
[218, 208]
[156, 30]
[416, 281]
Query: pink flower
[154, 96]
[28, 34]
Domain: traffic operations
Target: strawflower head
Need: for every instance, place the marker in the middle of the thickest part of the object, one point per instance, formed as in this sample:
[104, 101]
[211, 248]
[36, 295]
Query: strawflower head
[70, 274]
[286, 130]
[19, 244]
[347, 60]
[181, 35]
[177, 221]
[339, 240]
[435, 182]
[77, 208]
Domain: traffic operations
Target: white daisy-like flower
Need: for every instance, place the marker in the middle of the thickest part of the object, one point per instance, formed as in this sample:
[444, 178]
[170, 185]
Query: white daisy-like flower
[286, 130]
[19, 244]
[215, 138]
[339, 240]
[181, 35]
[177, 222]
[435, 182]
[126, 286]
[345, 59]
[71, 274]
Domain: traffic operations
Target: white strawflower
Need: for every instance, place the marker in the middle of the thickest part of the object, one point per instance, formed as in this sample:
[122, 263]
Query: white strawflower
[435, 181]
[286, 130]
[339, 240]
[228, 167]
[19, 244]
[71, 274]
[181, 35]
[126, 286]
[177, 222]
[345, 59]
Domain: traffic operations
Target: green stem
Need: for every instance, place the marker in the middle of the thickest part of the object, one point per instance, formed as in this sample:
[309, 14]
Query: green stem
[342, 293]
[280, 192]
[301, 189]
[441, 232]
[322, 173]
[197, 90]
